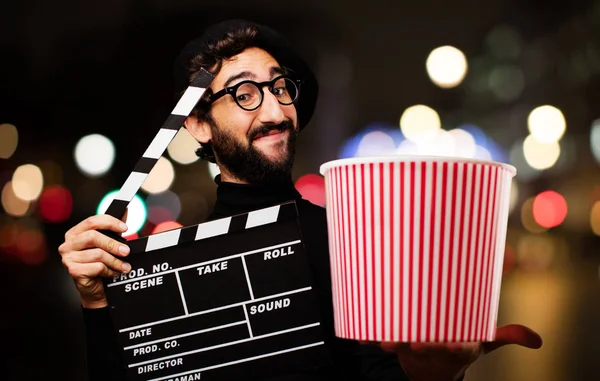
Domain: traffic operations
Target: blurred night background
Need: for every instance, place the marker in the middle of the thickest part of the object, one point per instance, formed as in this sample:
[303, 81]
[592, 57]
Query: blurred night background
[84, 87]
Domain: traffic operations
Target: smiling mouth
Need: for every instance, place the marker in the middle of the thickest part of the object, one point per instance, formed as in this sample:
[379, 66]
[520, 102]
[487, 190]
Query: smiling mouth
[270, 135]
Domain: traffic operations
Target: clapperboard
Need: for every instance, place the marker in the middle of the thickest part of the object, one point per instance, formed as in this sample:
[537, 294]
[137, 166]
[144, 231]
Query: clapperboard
[226, 299]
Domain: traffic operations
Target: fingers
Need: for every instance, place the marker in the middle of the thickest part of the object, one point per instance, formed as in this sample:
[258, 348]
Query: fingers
[94, 239]
[514, 334]
[99, 255]
[89, 271]
[97, 222]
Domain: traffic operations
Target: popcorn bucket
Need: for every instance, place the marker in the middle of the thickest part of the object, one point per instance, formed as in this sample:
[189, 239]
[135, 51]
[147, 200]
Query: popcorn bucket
[416, 246]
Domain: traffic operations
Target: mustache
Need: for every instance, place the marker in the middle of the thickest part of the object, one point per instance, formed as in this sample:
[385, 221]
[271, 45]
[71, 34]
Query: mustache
[266, 128]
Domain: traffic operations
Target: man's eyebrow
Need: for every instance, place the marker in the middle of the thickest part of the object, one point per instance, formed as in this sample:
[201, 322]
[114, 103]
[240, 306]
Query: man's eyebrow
[243, 74]
[277, 70]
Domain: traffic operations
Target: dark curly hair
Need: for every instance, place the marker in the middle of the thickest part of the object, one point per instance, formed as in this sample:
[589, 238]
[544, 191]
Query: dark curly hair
[211, 59]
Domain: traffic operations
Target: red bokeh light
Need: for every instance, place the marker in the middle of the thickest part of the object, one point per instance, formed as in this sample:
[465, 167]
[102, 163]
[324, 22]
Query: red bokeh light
[131, 237]
[31, 246]
[56, 204]
[167, 225]
[312, 188]
[159, 213]
[549, 209]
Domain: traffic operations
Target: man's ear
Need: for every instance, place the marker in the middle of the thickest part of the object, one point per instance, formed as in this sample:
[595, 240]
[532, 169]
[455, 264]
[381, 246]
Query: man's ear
[200, 130]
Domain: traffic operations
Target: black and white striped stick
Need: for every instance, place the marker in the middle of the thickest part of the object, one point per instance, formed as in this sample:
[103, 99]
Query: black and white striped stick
[159, 144]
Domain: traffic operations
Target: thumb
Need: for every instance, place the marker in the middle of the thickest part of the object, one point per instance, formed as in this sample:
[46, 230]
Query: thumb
[514, 334]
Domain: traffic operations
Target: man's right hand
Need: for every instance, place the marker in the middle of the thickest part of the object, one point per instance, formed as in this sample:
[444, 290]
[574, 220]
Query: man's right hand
[90, 255]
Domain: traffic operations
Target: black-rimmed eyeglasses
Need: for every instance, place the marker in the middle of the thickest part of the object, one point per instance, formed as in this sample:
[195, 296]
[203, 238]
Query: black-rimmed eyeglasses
[249, 94]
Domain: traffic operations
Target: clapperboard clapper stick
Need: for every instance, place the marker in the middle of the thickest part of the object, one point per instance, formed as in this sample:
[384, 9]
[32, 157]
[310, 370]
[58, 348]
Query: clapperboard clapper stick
[227, 299]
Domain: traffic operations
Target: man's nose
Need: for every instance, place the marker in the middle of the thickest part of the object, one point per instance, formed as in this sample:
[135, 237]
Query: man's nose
[270, 111]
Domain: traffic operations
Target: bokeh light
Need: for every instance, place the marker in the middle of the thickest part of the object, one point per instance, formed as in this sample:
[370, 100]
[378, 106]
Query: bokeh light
[549, 209]
[482, 153]
[514, 196]
[517, 158]
[547, 124]
[30, 245]
[540, 155]
[164, 226]
[506, 82]
[213, 170]
[23, 241]
[446, 66]
[160, 177]
[27, 182]
[527, 219]
[595, 139]
[408, 148]
[136, 211]
[312, 188]
[442, 145]
[376, 143]
[56, 204]
[464, 143]
[420, 123]
[94, 155]
[13, 205]
[595, 218]
[9, 139]
[163, 207]
[536, 252]
[504, 42]
[182, 148]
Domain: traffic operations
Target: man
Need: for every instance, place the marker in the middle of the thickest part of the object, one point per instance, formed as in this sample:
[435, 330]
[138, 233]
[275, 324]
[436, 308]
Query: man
[262, 96]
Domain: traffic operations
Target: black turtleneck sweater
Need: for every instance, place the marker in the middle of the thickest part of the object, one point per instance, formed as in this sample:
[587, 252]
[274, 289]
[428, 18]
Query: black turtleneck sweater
[350, 360]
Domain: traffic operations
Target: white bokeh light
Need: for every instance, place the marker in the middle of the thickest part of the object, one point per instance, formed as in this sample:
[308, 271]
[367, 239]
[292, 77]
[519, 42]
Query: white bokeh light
[161, 176]
[464, 143]
[547, 124]
[28, 182]
[540, 155]
[482, 153]
[376, 143]
[406, 147]
[136, 212]
[182, 148]
[94, 155]
[213, 169]
[595, 139]
[442, 145]
[420, 123]
[446, 66]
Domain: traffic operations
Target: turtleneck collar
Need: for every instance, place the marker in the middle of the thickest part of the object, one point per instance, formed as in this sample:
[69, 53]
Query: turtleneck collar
[234, 198]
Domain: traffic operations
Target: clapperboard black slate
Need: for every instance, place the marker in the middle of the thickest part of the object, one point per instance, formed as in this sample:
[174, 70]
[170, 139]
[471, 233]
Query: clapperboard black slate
[223, 300]
[226, 299]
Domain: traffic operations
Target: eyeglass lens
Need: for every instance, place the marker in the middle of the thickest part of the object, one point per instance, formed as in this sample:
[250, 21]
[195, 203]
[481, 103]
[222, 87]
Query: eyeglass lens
[249, 96]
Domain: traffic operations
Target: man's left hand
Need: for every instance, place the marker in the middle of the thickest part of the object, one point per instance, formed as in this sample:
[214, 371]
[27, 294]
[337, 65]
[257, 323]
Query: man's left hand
[449, 361]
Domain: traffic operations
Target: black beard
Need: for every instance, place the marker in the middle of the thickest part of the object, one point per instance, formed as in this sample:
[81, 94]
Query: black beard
[249, 164]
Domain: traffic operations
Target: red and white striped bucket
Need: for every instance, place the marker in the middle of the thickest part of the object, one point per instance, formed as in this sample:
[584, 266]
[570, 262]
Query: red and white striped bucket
[416, 246]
